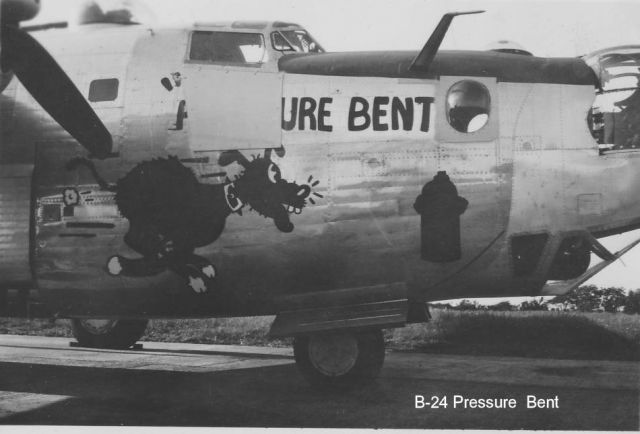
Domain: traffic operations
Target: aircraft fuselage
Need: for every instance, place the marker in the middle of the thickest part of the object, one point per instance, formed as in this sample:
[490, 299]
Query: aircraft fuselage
[368, 180]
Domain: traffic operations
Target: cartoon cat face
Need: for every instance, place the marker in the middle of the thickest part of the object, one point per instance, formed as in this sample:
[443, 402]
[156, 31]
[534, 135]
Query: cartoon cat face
[262, 187]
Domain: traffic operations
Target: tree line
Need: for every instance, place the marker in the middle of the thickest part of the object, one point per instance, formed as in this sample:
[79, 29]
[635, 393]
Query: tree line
[586, 298]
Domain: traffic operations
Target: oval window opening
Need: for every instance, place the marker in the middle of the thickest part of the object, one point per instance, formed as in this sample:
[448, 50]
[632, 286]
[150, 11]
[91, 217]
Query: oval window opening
[468, 106]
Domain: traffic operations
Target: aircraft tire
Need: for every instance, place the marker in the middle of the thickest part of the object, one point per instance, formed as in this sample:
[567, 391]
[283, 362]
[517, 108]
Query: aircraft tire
[118, 334]
[341, 359]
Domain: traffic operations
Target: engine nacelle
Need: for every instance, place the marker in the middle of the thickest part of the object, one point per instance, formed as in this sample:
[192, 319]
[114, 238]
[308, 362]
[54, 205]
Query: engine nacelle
[114, 12]
[14, 11]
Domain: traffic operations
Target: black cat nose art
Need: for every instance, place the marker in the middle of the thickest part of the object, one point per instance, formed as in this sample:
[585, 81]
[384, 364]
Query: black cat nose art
[273, 173]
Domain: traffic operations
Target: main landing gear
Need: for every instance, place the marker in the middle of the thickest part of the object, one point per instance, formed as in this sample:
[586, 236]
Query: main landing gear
[117, 334]
[334, 359]
[340, 359]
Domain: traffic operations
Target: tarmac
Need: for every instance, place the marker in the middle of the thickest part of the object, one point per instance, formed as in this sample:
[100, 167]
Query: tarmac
[45, 381]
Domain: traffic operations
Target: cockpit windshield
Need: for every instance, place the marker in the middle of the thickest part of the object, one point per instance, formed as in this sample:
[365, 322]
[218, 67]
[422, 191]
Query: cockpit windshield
[296, 41]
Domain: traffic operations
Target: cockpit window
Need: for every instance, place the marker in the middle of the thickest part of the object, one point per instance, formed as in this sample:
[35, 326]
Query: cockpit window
[227, 47]
[468, 106]
[295, 40]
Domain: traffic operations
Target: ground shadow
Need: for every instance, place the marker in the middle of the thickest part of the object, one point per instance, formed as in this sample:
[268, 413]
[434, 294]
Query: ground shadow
[276, 396]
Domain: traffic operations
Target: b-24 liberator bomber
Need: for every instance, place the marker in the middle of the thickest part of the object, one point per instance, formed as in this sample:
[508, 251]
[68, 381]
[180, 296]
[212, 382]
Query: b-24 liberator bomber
[238, 169]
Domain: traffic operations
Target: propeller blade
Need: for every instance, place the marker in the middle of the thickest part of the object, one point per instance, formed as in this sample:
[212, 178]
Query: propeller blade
[41, 75]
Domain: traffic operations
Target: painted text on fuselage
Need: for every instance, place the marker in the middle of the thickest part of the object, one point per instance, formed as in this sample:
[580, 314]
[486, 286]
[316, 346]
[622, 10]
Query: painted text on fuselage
[379, 113]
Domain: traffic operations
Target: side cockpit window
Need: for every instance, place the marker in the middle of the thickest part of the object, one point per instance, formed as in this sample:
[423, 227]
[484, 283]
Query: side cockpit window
[295, 41]
[227, 48]
[468, 106]
[103, 90]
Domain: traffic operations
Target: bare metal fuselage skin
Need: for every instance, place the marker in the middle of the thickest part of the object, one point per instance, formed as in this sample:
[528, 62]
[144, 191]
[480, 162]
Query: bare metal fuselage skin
[534, 168]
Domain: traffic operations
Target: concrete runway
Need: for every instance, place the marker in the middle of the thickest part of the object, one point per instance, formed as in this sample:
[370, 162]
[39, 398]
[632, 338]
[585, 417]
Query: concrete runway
[43, 381]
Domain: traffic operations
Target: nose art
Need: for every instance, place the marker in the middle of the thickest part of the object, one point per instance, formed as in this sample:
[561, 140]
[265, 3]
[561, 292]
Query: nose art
[304, 191]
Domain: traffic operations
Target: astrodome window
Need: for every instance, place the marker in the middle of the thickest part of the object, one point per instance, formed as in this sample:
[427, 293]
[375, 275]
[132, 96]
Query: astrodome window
[468, 106]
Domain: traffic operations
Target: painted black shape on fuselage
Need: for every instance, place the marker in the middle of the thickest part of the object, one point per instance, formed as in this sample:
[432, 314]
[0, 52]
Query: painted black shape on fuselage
[170, 213]
[440, 208]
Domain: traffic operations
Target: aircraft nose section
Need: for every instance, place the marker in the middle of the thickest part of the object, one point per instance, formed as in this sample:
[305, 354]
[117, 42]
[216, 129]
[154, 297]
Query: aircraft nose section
[615, 117]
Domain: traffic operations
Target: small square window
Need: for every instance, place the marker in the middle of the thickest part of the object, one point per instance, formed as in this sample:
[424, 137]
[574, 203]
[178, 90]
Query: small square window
[103, 90]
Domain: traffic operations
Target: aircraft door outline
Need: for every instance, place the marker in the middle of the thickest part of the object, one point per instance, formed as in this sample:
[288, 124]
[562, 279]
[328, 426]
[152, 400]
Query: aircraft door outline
[232, 104]
[463, 205]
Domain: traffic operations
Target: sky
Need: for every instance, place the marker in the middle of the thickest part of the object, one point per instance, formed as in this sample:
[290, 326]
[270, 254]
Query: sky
[546, 28]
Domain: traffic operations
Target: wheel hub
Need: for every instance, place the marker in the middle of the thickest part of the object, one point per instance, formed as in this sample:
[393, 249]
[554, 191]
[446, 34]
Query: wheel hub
[98, 326]
[333, 355]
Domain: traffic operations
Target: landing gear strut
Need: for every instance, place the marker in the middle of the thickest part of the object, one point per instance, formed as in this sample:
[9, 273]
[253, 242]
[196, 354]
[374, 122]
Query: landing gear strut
[118, 334]
[340, 359]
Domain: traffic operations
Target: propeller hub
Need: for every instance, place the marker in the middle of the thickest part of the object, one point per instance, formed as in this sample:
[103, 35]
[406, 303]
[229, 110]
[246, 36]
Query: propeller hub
[14, 11]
